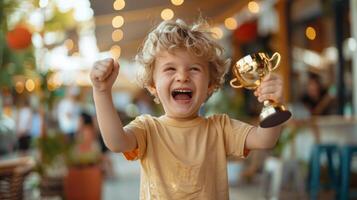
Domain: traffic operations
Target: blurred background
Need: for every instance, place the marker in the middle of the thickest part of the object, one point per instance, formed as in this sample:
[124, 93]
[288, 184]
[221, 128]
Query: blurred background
[50, 145]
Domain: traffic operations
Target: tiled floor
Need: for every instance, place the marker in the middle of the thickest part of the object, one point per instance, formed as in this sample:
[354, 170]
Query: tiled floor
[126, 185]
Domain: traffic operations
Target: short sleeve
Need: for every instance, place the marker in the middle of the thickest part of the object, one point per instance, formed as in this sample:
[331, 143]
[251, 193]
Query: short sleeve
[137, 127]
[235, 133]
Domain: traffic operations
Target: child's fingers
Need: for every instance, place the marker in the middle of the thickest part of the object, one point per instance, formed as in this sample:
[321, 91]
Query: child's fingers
[256, 93]
[269, 89]
[271, 76]
[98, 75]
[271, 82]
[264, 97]
[116, 67]
[103, 69]
[107, 65]
[114, 73]
[266, 77]
[275, 97]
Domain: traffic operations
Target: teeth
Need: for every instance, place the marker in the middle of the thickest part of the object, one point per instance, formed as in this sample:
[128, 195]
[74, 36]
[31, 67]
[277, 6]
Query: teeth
[182, 90]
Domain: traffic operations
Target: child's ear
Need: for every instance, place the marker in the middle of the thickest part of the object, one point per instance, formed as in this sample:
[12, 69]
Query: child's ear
[210, 89]
[152, 90]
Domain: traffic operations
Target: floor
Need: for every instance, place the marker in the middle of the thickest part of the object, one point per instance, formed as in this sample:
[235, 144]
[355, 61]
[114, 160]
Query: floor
[126, 184]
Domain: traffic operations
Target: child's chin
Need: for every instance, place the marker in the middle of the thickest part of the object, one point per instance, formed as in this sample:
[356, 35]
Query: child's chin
[184, 102]
[185, 113]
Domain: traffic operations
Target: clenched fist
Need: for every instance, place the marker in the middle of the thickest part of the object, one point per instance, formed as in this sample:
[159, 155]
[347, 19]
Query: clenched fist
[104, 74]
[271, 88]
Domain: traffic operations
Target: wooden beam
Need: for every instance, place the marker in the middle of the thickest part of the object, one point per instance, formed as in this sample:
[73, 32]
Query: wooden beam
[193, 7]
[283, 46]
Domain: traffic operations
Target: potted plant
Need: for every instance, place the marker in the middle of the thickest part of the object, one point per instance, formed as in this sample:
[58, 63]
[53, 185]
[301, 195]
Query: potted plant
[84, 177]
[67, 170]
[51, 163]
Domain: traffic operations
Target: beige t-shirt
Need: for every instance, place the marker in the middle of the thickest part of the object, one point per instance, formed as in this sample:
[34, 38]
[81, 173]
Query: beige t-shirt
[186, 160]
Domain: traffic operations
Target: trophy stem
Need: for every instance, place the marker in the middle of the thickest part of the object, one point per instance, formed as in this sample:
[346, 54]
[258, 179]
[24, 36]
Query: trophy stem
[273, 115]
[267, 103]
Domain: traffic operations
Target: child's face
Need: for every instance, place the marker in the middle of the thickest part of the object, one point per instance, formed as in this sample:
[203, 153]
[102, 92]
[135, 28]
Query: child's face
[181, 82]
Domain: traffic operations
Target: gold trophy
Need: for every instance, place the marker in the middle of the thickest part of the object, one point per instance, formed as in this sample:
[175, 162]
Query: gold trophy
[249, 71]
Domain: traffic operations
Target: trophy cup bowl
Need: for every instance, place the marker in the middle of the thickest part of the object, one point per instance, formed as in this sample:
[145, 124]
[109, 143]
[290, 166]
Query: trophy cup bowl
[248, 72]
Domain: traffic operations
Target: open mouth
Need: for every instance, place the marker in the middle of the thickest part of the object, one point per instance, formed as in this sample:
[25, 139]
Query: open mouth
[182, 94]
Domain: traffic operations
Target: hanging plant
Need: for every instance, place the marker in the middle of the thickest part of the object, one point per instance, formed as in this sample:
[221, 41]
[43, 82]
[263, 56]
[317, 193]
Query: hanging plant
[19, 38]
[13, 62]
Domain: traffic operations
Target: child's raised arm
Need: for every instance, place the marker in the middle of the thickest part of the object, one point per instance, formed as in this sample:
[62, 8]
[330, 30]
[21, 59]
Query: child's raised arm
[103, 76]
[271, 88]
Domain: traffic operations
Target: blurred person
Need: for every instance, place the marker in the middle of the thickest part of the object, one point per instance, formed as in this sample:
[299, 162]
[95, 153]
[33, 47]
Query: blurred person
[144, 103]
[183, 155]
[86, 135]
[85, 148]
[7, 132]
[316, 97]
[23, 126]
[68, 112]
[36, 122]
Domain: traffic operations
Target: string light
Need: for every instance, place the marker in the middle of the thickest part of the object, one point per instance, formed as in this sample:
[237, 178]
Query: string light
[19, 87]
[117, 35]
[118, 21]
[119, 4]
[230, 23]
[310, 33]
[115, 51]
[253, 7]
[167, 14]
[177, 2]
[30, 85]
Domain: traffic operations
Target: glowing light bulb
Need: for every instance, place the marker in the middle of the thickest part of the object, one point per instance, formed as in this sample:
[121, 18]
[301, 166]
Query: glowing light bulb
[310, 33]
[167, 14]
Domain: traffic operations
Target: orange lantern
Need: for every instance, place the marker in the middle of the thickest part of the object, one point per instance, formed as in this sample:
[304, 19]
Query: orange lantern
[18, 38]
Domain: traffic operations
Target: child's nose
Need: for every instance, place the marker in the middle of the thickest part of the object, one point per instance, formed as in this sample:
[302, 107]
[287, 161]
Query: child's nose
[183, 76]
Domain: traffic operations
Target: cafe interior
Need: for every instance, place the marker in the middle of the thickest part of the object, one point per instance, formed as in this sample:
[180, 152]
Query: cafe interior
[50, 142]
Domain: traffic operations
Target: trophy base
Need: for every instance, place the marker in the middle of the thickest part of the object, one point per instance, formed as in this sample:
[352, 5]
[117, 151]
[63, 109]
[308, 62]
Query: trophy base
[272, 116]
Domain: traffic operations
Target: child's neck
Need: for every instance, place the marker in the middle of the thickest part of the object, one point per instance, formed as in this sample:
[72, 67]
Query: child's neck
[180, 118]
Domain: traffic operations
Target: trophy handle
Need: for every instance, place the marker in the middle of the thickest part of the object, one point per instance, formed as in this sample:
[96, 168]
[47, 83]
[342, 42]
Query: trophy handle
[276, 56]
[235, 86]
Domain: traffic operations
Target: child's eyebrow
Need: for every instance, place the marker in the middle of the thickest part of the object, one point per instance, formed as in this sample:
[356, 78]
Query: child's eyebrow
[199, 64]
[168, 64]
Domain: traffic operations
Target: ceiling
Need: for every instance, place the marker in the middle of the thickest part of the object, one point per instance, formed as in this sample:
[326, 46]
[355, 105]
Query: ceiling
[142, 15]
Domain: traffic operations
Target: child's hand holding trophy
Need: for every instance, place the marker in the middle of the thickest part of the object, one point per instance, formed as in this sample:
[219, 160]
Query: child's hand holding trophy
[249, 71]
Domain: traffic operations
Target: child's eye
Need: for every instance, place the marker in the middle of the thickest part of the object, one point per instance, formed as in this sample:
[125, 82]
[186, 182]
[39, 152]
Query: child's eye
[195, 69]
[169, 69]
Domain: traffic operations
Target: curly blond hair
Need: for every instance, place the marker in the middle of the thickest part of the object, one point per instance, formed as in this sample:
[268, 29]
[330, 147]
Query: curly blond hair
[197, 39]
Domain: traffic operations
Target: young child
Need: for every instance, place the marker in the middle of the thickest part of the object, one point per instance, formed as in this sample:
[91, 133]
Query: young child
[183, 155]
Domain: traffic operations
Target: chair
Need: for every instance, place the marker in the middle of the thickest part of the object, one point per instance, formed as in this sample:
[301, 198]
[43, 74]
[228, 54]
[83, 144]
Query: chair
[12, 175]
[345, 170]
[314, 168]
